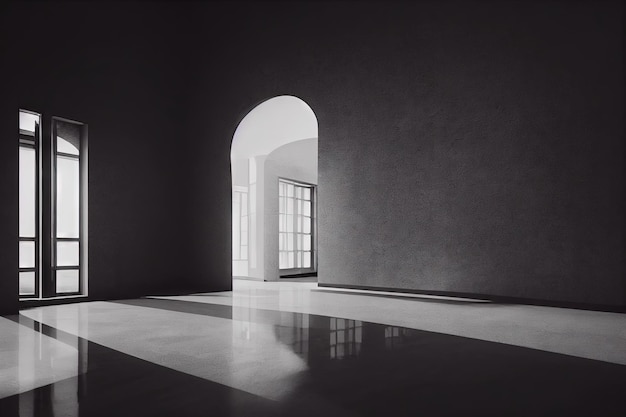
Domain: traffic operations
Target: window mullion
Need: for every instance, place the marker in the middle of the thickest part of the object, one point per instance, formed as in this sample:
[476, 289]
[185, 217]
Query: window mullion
[47, 193]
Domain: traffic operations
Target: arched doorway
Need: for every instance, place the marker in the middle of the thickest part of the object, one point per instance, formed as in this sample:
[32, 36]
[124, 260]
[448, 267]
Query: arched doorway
[274, 179]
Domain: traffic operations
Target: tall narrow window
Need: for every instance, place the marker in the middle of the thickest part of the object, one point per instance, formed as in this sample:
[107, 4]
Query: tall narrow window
[240, 231]
[296, 242]
[52, 207]
[67, 207]
[29, 249]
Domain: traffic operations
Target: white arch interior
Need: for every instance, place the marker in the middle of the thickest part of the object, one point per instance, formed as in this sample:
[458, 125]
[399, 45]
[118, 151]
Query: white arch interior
[272, 124]
[277, 139]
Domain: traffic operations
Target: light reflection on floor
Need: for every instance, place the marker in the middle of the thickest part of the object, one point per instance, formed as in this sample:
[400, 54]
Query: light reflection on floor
[249, 353]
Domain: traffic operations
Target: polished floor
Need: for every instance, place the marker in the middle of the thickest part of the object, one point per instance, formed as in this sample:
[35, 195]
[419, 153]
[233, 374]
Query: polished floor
[292, 349]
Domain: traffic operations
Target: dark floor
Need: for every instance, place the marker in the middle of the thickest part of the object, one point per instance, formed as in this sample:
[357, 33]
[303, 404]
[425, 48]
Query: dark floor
[354, 369]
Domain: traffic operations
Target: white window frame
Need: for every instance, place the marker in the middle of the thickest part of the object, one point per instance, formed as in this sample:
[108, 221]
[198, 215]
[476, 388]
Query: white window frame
[298, 270]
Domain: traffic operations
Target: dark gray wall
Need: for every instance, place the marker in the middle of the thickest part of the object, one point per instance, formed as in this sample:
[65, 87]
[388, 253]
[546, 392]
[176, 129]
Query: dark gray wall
[485, 156]
[116, 67]
[464, 148]
[473, 148]
[8, 211]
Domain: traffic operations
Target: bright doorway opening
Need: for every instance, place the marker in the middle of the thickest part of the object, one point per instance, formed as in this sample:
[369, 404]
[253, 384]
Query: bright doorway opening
[274, 181]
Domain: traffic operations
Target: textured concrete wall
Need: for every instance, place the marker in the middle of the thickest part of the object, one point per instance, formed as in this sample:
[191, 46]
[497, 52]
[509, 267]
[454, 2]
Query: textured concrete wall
[463, 146]
[487, 158]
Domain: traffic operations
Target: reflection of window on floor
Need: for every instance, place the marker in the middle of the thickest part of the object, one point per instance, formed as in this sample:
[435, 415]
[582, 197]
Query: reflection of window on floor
[301, 335]
[296, 228]
[392, 334]
[345, 338]
[51, 266]
[240, 231]
[294, 331]
[62, 398]
[397, 336]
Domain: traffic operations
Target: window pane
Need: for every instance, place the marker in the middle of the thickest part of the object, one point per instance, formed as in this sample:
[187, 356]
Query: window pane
[283, 260]
[27, 283]
[307, 193]
[67, 197]
[290, 190]
[299, 259]
[307, 225]
[27, 191]
[67, 254]
[299, 192]
[290, 260]
[299, 243]
[307, 208]
[290, 206]
[28, 121]
[244, 204]
[306, 244]
[67, 281]
[307, 260]
[244, 235]
[65, 146]
[236, 225]
[27, 254]
[289, 241]
[289, 220]
[68, 137]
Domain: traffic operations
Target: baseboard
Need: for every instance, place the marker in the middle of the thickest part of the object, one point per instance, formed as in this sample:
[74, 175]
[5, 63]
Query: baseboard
[494, 298]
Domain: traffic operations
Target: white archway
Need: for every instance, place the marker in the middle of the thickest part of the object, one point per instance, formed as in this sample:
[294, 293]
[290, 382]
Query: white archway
[276, 139]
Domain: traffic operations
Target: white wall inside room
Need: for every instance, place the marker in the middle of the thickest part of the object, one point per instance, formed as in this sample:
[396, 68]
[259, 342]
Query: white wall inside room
[278, 138]
[271, 124]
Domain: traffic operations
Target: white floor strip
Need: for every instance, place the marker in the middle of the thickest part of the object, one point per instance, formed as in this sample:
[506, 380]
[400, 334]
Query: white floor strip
[587, 334]
[29, 359]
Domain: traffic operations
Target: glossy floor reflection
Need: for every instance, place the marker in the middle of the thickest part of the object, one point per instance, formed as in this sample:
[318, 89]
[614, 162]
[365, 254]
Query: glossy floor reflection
[172, 357]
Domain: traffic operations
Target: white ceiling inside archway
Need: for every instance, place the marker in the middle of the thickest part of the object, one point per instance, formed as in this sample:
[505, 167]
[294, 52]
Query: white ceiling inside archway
[272, 124]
